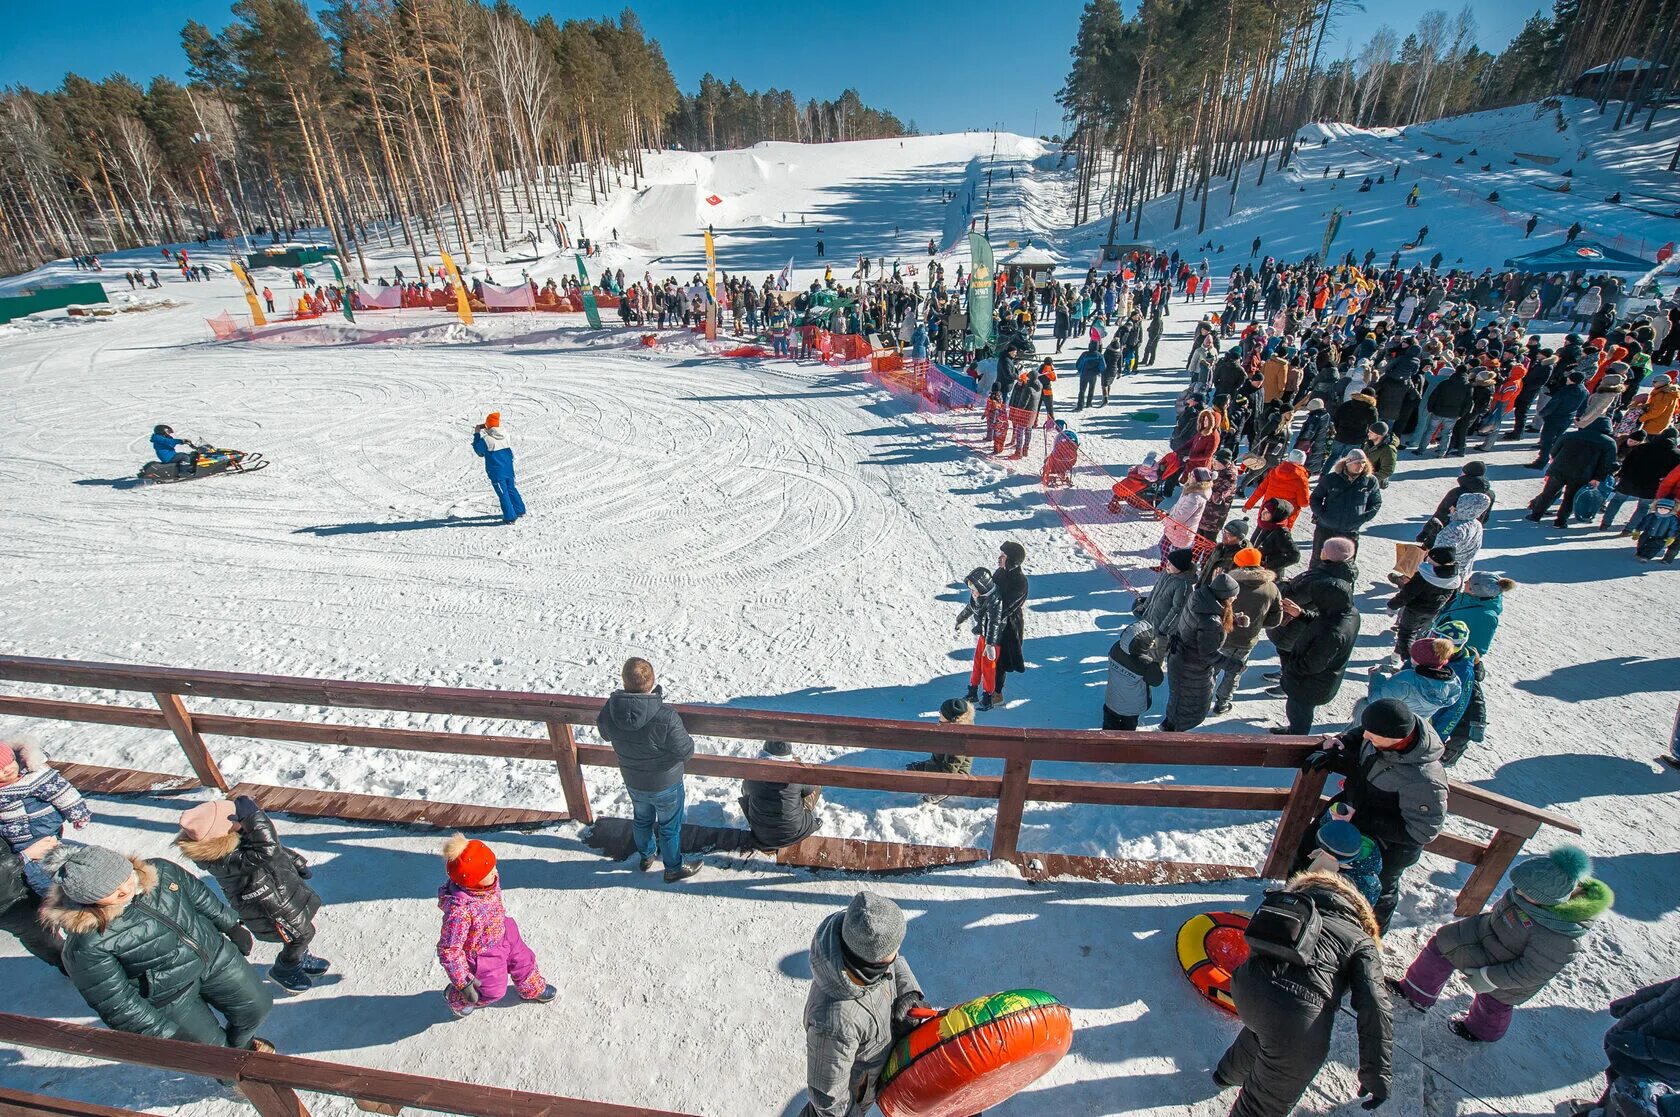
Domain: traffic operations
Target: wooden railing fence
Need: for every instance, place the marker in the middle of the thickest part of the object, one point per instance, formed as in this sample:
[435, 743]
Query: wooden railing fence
[1019, 749]
[271, 1082]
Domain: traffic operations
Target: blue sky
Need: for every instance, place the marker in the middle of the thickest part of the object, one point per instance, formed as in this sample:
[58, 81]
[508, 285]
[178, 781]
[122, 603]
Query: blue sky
[909, 56]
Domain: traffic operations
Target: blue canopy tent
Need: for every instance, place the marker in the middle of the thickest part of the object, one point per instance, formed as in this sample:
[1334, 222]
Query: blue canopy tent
[1582, 256]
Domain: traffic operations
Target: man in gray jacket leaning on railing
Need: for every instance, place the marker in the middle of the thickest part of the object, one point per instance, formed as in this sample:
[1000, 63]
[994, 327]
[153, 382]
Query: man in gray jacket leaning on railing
[652, 746]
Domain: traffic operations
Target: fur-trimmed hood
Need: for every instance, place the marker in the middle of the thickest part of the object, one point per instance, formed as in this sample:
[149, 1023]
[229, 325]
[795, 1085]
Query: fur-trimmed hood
[80, 919]
[210, 849]
[1344, 891]
[30, 757]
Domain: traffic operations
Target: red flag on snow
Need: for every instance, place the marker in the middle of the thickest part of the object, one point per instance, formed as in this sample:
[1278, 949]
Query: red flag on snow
[714, 200]
[1665, 253]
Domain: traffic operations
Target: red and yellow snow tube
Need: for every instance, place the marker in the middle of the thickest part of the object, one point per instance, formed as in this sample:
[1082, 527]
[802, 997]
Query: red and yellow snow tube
[975, 1055]
[1210, 946]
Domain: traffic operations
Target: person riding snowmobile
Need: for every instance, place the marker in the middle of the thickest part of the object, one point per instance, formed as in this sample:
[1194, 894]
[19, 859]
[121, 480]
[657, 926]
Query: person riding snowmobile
[165, 445]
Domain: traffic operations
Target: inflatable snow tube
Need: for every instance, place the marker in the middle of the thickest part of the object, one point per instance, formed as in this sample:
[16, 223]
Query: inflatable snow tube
[1210, 946]
[975, 1055]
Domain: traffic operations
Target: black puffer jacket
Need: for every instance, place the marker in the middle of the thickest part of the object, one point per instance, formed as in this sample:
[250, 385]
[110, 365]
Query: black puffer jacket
[1280, 999]
[1353, 419]
[1424, 595]
[648, 737]
[1644, 1042]
[1452, 397]
[1645, 467]
[1583, 455]
[142, 970]
[1346, 504]
[776, 811]
[262, 880]
[1319, 649]
[14, 889]
[1195, 653]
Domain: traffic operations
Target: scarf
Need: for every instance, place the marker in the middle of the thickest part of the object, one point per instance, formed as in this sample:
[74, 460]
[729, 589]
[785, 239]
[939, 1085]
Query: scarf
[867, 973]
[1573, 917]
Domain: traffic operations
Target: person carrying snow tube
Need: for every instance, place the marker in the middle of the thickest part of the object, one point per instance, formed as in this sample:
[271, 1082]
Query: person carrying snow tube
[166, 446]
[491, 443]
[1308, 945]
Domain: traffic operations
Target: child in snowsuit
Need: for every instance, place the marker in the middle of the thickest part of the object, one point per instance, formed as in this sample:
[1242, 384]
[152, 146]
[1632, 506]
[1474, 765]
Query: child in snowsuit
[36, 803]
[985, 608]
[480, 947]
[1425, 686]
[491, 443]
[952, 711]
[1479, 604]
[235, 842]
[1134, 668]
[1178, 528]
[1273, 539]
[1510, 952]
[1343, 850]
[997, 419]
[1463, 531]
[1657, 533]
[1420, 598]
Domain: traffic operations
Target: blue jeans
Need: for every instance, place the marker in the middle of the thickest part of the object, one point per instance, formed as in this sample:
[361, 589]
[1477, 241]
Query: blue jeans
[1614, 504]
[664, 808]
[512, 506]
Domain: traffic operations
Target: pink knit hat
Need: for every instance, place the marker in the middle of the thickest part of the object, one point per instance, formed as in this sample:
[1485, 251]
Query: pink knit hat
[1336, 549]
[208, 820]
[6, 754]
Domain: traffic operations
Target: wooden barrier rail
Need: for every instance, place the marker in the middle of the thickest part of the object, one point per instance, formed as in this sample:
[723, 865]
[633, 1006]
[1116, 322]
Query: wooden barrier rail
[1298, 805]
[270, 1082]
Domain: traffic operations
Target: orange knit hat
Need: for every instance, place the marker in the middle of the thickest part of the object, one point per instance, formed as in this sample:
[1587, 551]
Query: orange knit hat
[1248, 556]
[494, 419]
[469, 861]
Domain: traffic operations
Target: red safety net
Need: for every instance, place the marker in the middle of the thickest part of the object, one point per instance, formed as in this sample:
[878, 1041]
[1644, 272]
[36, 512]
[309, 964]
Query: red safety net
[1103, 506]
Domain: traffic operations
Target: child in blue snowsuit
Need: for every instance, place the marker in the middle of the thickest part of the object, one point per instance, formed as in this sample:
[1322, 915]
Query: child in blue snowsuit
[1343, 849]
[491, 443]
[164, 445]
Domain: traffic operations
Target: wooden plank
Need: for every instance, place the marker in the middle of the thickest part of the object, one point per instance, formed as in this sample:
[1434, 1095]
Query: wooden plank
[1044, 866]
[122, 1047]
[198, 753]
[827, 775]
[1484, 878]
[385, 808]
[1481, 805]
[373, 737]
[571, 774]
[138, 717]
[862, 855]
[1458, 849]
[16, 1103]
[272, 1100]
[1157, 795]
[1006, 828]
[94, 779]
[1302, 809]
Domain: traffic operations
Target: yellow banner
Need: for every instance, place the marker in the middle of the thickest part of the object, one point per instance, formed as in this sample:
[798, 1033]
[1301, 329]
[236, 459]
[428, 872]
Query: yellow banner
[461, 306]
[257, 318]
[711, 289]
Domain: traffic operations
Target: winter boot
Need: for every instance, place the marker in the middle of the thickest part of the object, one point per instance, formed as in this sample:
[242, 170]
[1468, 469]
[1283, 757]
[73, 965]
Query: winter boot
[260, 1044]
[682, 872]
[645, 864]
[1221, 708]
[314, 966]
[1397, 993]
[986, 701]
[290, 978]
[548, 994]
[1462, 1032]
[973, 694]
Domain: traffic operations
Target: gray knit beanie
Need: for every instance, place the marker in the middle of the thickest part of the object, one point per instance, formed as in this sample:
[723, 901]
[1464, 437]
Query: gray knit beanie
[873, 927]
[88, 874]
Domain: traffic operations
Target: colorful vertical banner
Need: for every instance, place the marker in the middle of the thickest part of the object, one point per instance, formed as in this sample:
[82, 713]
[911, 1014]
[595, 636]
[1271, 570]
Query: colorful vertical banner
[786, 277]
[591, 309]
[461, 307]
[979, 291]
[343, 290]
[251, 300]
[711, 289]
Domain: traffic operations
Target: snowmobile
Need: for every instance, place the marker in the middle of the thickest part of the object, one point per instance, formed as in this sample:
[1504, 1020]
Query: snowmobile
[207, 461]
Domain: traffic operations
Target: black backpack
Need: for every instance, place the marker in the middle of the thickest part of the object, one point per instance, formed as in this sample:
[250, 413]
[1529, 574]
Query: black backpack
[1286, 927]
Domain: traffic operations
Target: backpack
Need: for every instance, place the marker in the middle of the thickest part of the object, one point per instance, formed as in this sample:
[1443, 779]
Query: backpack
[1589, 503]
[1286, 927]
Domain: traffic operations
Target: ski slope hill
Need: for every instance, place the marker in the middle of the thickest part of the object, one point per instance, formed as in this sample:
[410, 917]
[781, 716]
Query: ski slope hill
[771, 535]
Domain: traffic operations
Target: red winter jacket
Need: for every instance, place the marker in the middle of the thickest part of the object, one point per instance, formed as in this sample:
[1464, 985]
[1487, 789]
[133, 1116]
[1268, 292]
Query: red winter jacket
[1670, 487]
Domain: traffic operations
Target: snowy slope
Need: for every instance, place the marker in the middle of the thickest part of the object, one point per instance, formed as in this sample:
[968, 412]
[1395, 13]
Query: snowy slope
[772, 535]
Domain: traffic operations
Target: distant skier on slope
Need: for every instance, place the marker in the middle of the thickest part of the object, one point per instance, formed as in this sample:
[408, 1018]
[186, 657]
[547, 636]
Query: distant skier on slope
[491, 443]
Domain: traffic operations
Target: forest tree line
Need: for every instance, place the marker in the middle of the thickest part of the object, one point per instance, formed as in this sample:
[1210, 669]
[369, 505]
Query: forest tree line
[1186, 91]
[406, 121]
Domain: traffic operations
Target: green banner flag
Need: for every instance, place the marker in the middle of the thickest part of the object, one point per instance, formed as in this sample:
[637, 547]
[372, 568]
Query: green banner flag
[343, 289]
[1330, 231]
[980, 278]
[590, 309]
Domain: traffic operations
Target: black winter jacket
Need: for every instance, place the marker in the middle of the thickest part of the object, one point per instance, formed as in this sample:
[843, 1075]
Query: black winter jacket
[1452, 397]
[1343, 503]
[1645, 467]
[1584, 455]
[1397, 399]
[648, 737]
[1399, 797]
[262, 880]
[1346, 959]
[776, 811]
[14, 889]
[1423, 595]
[1319, 651]
[1644, 1042]
[1353, 419]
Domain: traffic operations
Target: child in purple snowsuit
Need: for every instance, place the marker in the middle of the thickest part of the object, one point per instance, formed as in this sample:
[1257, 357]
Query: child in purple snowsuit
[480, 946]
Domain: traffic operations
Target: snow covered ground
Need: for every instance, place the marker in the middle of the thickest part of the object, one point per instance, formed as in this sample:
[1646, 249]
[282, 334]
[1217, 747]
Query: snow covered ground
[772, 535]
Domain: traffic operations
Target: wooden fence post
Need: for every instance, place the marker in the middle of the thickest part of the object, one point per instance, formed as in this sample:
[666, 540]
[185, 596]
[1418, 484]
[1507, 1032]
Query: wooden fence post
[571, 772]
[1012, 801]
[1501, 851]
[271, 1099]
[1299, 812]
[198, 754]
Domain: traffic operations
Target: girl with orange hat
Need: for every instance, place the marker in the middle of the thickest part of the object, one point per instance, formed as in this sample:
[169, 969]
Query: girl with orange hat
[491, 443]
[480, 946]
